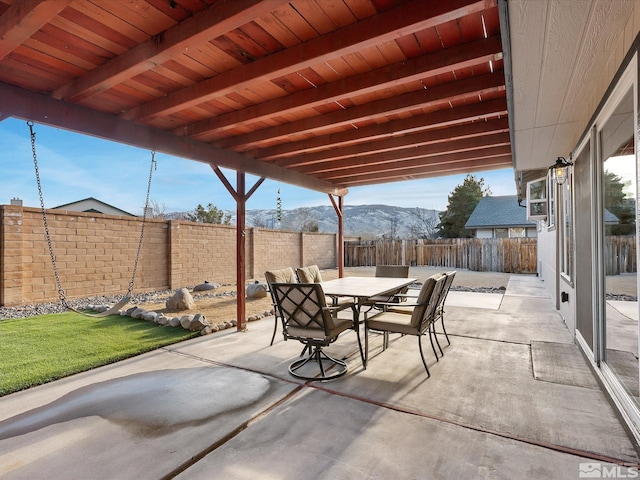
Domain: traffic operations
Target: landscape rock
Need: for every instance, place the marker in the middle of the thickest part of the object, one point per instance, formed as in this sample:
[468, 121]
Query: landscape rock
[138, 312]
[174, 322]
[182, 300]
[162, 320]
[197, 323]
[203, 287]
[257, 290]
[185, 321]
[149, 316]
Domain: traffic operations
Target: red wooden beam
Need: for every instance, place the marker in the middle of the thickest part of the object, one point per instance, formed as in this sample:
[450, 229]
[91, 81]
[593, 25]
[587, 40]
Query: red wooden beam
[399, 142]
[426, 152]
[389, 25]
[441, 118]
[476, 87]
[412, 69]
[23, 18]
[217, 20]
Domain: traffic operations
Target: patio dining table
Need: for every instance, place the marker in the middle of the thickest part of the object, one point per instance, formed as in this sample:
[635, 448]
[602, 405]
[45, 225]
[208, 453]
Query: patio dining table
[364, 288]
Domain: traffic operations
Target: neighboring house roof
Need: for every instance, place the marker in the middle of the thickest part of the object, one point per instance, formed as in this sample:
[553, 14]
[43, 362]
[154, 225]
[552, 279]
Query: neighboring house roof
[499, 212]
[610, 218]
[93, 205]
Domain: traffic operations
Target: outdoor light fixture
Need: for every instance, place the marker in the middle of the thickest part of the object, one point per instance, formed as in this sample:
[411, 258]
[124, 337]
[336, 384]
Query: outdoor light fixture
[560, 170]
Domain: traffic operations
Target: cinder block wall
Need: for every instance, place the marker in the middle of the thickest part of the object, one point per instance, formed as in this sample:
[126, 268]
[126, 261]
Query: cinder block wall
[95, 254]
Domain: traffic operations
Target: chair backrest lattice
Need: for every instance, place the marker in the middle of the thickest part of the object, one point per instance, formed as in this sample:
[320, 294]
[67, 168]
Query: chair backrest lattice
[303, 305]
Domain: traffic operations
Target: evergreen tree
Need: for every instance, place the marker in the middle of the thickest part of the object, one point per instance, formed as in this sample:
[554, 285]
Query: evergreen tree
[620, 204]
[462, 201]
[211, 214]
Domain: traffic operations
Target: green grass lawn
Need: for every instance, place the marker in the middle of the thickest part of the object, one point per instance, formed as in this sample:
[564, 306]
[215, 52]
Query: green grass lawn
[40, 349]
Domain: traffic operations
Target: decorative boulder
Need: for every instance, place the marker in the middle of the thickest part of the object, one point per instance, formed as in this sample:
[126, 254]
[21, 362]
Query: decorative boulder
[138, 312]
[257, 290]
[198, 323]
[185, 321]
[203, 287]
[182, 300]
[174, 322]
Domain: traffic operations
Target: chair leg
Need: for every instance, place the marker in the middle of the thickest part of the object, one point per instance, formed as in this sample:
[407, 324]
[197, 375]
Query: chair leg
[275, 328]
[366, 345]
[433, 326]
[433, 347]
[424, 362]
[444, 329]
[318, 355]
[362, 356]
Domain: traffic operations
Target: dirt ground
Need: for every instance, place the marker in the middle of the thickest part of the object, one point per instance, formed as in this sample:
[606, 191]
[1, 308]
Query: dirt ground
[223, 308]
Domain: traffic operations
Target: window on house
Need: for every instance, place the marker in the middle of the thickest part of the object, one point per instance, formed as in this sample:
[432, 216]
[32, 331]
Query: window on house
[537, 199]
[517, 232]
[566, 227]
[501, 233]
[551, 217]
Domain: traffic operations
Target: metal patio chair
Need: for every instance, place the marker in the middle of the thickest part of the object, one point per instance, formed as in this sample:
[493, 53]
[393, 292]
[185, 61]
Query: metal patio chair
[419, 323]
[308, 319]
[283, 275]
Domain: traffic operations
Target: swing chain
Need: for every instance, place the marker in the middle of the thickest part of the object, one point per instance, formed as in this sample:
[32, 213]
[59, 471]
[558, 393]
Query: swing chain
[61, 294]
[152, 167]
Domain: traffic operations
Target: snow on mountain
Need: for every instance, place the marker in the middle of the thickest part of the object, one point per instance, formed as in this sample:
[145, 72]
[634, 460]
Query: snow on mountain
[368, 221]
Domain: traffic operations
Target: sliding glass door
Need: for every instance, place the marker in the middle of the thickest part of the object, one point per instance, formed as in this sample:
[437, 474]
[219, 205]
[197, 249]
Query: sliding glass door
[618, 163]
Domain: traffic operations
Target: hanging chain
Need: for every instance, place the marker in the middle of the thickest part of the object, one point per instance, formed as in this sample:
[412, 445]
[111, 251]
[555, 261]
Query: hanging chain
[153, 166]
[61, 293]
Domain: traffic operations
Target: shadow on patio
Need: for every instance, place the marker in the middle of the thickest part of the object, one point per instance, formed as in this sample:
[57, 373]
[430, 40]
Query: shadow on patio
[511, 398]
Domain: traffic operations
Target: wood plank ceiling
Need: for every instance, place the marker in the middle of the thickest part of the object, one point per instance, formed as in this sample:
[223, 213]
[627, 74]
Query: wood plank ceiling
[325, 94]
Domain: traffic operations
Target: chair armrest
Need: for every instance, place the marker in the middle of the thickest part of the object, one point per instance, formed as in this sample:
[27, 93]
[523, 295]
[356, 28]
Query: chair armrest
[403, 304]
[406, 295]
[339, 308]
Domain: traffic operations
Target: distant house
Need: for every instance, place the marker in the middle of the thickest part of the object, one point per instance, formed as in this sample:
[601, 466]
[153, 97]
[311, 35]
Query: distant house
[93, 205]
[500, 217]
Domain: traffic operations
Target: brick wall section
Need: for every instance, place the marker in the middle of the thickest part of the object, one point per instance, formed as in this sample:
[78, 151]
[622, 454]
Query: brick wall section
[319, 249]
[95, 254]
[202, 252]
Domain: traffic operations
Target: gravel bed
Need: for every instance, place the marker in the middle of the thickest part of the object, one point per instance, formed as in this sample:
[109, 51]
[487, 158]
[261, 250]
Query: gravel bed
[24, 311]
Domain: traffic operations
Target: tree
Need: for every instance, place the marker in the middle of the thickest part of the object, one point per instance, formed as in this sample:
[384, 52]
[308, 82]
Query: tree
[426, 224]
[301, 220]
[211, 214]
[620, 204]
[462, 201]
[158, 210]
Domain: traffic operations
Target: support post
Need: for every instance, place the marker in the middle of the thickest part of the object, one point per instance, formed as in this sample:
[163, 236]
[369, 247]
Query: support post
[241, 198]
[339, 209]
[241, 211]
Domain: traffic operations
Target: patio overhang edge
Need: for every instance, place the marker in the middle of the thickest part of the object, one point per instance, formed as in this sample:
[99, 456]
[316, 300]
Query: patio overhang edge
[20, 103]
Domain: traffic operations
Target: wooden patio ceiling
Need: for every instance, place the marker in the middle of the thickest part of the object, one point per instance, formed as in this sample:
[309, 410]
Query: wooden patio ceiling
[325, 94]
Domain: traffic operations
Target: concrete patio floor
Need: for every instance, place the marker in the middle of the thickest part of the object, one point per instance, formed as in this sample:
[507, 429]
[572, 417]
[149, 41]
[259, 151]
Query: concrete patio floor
[511, 398]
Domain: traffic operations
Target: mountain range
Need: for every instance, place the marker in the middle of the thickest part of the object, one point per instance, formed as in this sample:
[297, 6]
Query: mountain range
[366, 221]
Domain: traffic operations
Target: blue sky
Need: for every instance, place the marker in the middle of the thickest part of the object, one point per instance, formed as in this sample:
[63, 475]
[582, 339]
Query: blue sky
[74, 166]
